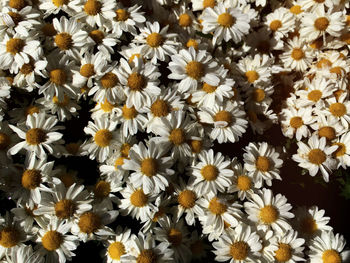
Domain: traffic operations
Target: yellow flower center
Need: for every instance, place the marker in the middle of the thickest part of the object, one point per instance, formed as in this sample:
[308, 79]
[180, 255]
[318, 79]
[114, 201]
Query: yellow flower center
[331, 256]
[31, 179]
[185, 20]
[337, 70]
[15, 17]
[122, 15]
[314, 95]
[58, 76]
[48, 30]
[35, 136]
[60, 103]
[208, 3]
[337, 109]
[107, 106]
[59, 3]
[268, 214]
[89, 222]
[147, 256]
[174, 237]
[226, 20]
[296, 9]
[275, 25]
[14, 45]
[160, 108]
[27, 68]
[103, 137]
[208, 88]
[216, 207]
[195, 69]
[17, 4]
[296, 122]
[138, 198]
[52, 240]
[177, 136]
[196, 145]
[155, 39]
[297, 53]
[239, 250]
[116, 250]
[327, 132]
[149, 167]
[102, 189]
[64, 41]
[263, 164]
[244, 183]
[87, 70]
[283, 253]
[316, 156]
[341, 149]
[321, 23]
[109, 80]
[118, 162]
[308, 225]
[192, 43]
[125, 149]
[92, 7]
[136, 82]
[323, 63]
[97, 36]
[223, 116]
[209, 172]
[9, 237]
[4, 141]
[65, 208]
[258, 95]
[187, 198]
[251, 76]
[129, 113]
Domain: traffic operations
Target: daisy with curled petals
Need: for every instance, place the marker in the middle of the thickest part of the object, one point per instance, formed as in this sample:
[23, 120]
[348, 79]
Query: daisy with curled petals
[150, 165]
[268, 211]
[40, 132]
[103, 140]
[156, 43]
[192, 67]
[338, 109]
[262, 162]
[228, 120]
[285, 247]
[127, 19]
[25, 254]
[328, 248]
[342, 154]
[140, 82]
[226, 23]
[49, 7]
[240, 245]
[280, 22]
[54, 242]
[212, 173]
[315, 156]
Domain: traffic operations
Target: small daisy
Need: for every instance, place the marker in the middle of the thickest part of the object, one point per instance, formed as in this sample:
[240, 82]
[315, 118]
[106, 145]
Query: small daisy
[104, 41]
[23, 213]
[261, 42]
[342, 154]
[327, 127]
[104, 110]
[132, 121]
[280, 22]
[102, 193]
[338, 109]
[113, 168]
[24, 254]
[50, 7]
[297, 55]
[202, 4]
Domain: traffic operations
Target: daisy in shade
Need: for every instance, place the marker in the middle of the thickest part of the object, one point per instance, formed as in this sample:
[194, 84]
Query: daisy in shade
[315, 156]
[54, 242]
[320, 22]
[240, 245]
[127, 19]
[25, 254]
[280, 22]
[212, 173]
[226, 23]
[262, 162]
[328, 248]
[103, 192]
[140, 82]
[342, 154]
[156, 43]
[192, 68]
[40, 132]
[228, 120]
[23, 213]
[261, 42]
[198, 246]
[297, 55]
[103, 140]
[269, 211]
[150, 165]
[7, 140]
[338, 109]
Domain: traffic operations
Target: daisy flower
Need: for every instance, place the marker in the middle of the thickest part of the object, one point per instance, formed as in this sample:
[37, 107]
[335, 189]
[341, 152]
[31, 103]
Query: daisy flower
[268, 211]
[23, 213]
[185, 19]
[297, 55]
[192, 67]
[312, 5]
[50, 7]
[127, 19]
[102, 193]
[132, 121]
[104, 41]
[24, 254]
[315, 156]
[40, 132]
[104, 110]
[338, 109]
[280, 22]
[241, 245]
[150, 165]
[226, 23]
[202, 4]
[329, 128]
[342, 154]
[113, 167]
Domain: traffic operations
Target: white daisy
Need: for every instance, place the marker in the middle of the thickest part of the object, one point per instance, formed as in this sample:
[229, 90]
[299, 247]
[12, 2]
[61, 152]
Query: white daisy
[24, 254]
[53, 7]
[280, 22]
[127, 19]
[102, 193]
[338, 109]
[104, 110]
[23, 213]
[296, 55]
[104, 41]
[327, 127]
[342, 154]
[113, 168]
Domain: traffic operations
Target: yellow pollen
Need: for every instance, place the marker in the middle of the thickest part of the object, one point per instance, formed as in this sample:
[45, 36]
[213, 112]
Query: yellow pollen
[192, 43]
[258, 95]
[59, 3]
[160, 108]
[323, 63]
[15, 17]
[297, 54]
[65, 208]
[239, 250]
[327, 132]
[177, 136]
[87, 70]
[216, 207]
[283, 253]
[321, 23]
[296, 9]
[31, 179]
[185, 20]
[35, 136]
[147, 256]
[107, 106]
[174, 237]
[296, 122]
[103, 137]
[58, 76]
[223, 116]
[14, 45]
[155, 39]
[48, 30]
[187, 198]
[244, 183]
[275, 25]
[208, 88]
[129, 113]
[337, 70]
[331, 256]
[64, 41]
[136, 82]
[92, 7]
[133, 56]
[4, 141]
[97, 36]
[109, 80]
[308, 225]
[102, 189]
[268, 214]
[9, 237]
[338, 93]
[196, 145]
[89, 222]
[263, 164]
[337, 109]
[118, 162]
[27, 68]
[195, 70]
[341, 149]
[149, 167]
[316, 156]
[226, 20]
[197, 247]
[17, 4]
[208, 3]
[138, 198]
[125, 150]
[116, 250]
[122, 15]
[209, 172]
[67, 179]
[251, 76]
[314, 95]
[59, 103]
[72, 148]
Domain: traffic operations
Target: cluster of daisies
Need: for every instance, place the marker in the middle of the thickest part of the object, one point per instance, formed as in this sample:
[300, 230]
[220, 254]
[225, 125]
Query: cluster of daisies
[168, 80]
